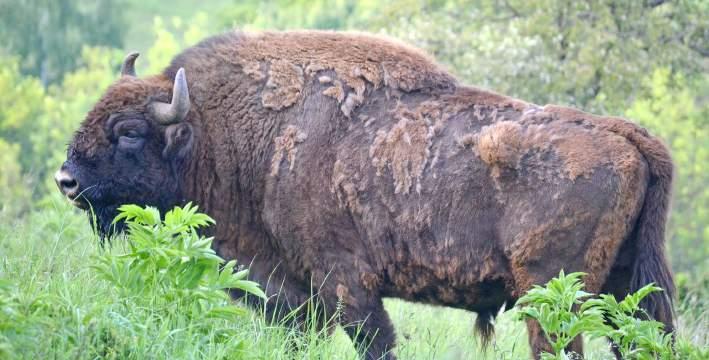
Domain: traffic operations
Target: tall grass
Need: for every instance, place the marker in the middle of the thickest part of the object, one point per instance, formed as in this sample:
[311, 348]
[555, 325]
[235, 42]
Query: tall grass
[54, 305]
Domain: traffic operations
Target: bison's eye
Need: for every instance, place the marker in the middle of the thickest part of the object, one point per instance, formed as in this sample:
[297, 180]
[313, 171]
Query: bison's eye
[130, 134]
[130, 142]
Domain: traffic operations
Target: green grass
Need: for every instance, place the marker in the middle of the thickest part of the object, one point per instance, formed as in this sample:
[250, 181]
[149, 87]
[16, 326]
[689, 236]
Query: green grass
[53, 305]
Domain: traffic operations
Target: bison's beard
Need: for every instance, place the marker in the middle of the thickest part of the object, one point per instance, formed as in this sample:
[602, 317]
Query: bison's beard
[103, 199]
[102, 215]
[101, 220]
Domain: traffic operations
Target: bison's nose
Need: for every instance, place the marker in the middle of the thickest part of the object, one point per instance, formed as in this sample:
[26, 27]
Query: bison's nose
[66, 183]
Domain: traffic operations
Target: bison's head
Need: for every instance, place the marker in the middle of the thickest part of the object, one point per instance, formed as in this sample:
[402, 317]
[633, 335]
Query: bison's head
[131, 147]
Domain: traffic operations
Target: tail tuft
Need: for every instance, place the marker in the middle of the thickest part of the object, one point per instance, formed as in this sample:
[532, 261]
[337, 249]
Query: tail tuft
[484, 327]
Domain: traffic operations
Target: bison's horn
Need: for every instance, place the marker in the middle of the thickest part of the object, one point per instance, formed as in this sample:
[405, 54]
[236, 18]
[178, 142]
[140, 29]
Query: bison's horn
[128, 67]
[177, 110]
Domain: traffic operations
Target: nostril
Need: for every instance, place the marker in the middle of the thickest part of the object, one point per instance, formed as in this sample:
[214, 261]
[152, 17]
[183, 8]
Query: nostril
[68, 184]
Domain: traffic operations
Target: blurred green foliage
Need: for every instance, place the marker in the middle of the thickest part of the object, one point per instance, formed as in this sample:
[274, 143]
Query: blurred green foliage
[301, 14]
[13, 185]
[48, 34]
[590, 54]
[646, 60]
[36, 122]
[668, 106]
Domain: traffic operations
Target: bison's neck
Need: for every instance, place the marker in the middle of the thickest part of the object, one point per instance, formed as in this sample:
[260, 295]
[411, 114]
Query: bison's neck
[225, 174]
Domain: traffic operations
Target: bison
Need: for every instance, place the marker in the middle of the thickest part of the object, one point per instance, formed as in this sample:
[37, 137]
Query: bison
[353, 167]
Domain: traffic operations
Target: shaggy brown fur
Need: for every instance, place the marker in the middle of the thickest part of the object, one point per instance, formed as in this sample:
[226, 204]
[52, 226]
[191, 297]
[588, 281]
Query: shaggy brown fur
[354, 168]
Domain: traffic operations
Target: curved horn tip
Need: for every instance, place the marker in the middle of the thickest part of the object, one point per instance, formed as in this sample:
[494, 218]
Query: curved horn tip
[128, 67]
[177, 109]
[180, 75]
[181, 94]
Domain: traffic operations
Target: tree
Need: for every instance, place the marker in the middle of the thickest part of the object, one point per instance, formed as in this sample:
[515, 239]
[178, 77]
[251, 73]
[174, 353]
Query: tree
[36, 124]
[668, 106]
[20, 104]
[14, 192]
[170, 38]
[49, 34]
[590, 54]
[300, 14]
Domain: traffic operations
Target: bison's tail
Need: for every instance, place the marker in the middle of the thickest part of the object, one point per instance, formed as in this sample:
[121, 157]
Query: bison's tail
[650, 261]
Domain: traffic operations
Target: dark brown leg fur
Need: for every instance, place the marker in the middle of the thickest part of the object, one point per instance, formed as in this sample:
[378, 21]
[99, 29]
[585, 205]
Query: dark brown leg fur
[369, 327]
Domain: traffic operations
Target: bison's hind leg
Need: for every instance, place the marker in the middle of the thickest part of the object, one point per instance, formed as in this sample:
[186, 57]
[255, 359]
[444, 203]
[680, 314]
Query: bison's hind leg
[581, 227]
[618, 280]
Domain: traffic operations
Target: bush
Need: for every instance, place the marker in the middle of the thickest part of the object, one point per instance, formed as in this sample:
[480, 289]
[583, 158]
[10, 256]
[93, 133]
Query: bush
[553, 307]
[172, 266]
[564, 311]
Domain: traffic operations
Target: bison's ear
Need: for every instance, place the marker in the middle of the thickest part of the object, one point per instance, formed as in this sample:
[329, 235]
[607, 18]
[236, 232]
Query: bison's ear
[178, 140]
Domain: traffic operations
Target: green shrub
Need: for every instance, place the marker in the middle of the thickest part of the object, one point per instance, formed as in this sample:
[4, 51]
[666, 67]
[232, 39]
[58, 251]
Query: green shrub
[553, 306]
[564, 311]
[634, 337]
[172, 266]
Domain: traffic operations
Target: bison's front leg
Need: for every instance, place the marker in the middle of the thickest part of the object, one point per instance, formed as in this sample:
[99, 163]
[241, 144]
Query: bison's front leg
[361, 315]
[369, 327]
[360, 311]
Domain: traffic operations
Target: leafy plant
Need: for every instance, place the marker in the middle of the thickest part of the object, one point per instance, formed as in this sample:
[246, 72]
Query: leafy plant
[170, 264]
[634, 337]
[553, 307]
[564, 311]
